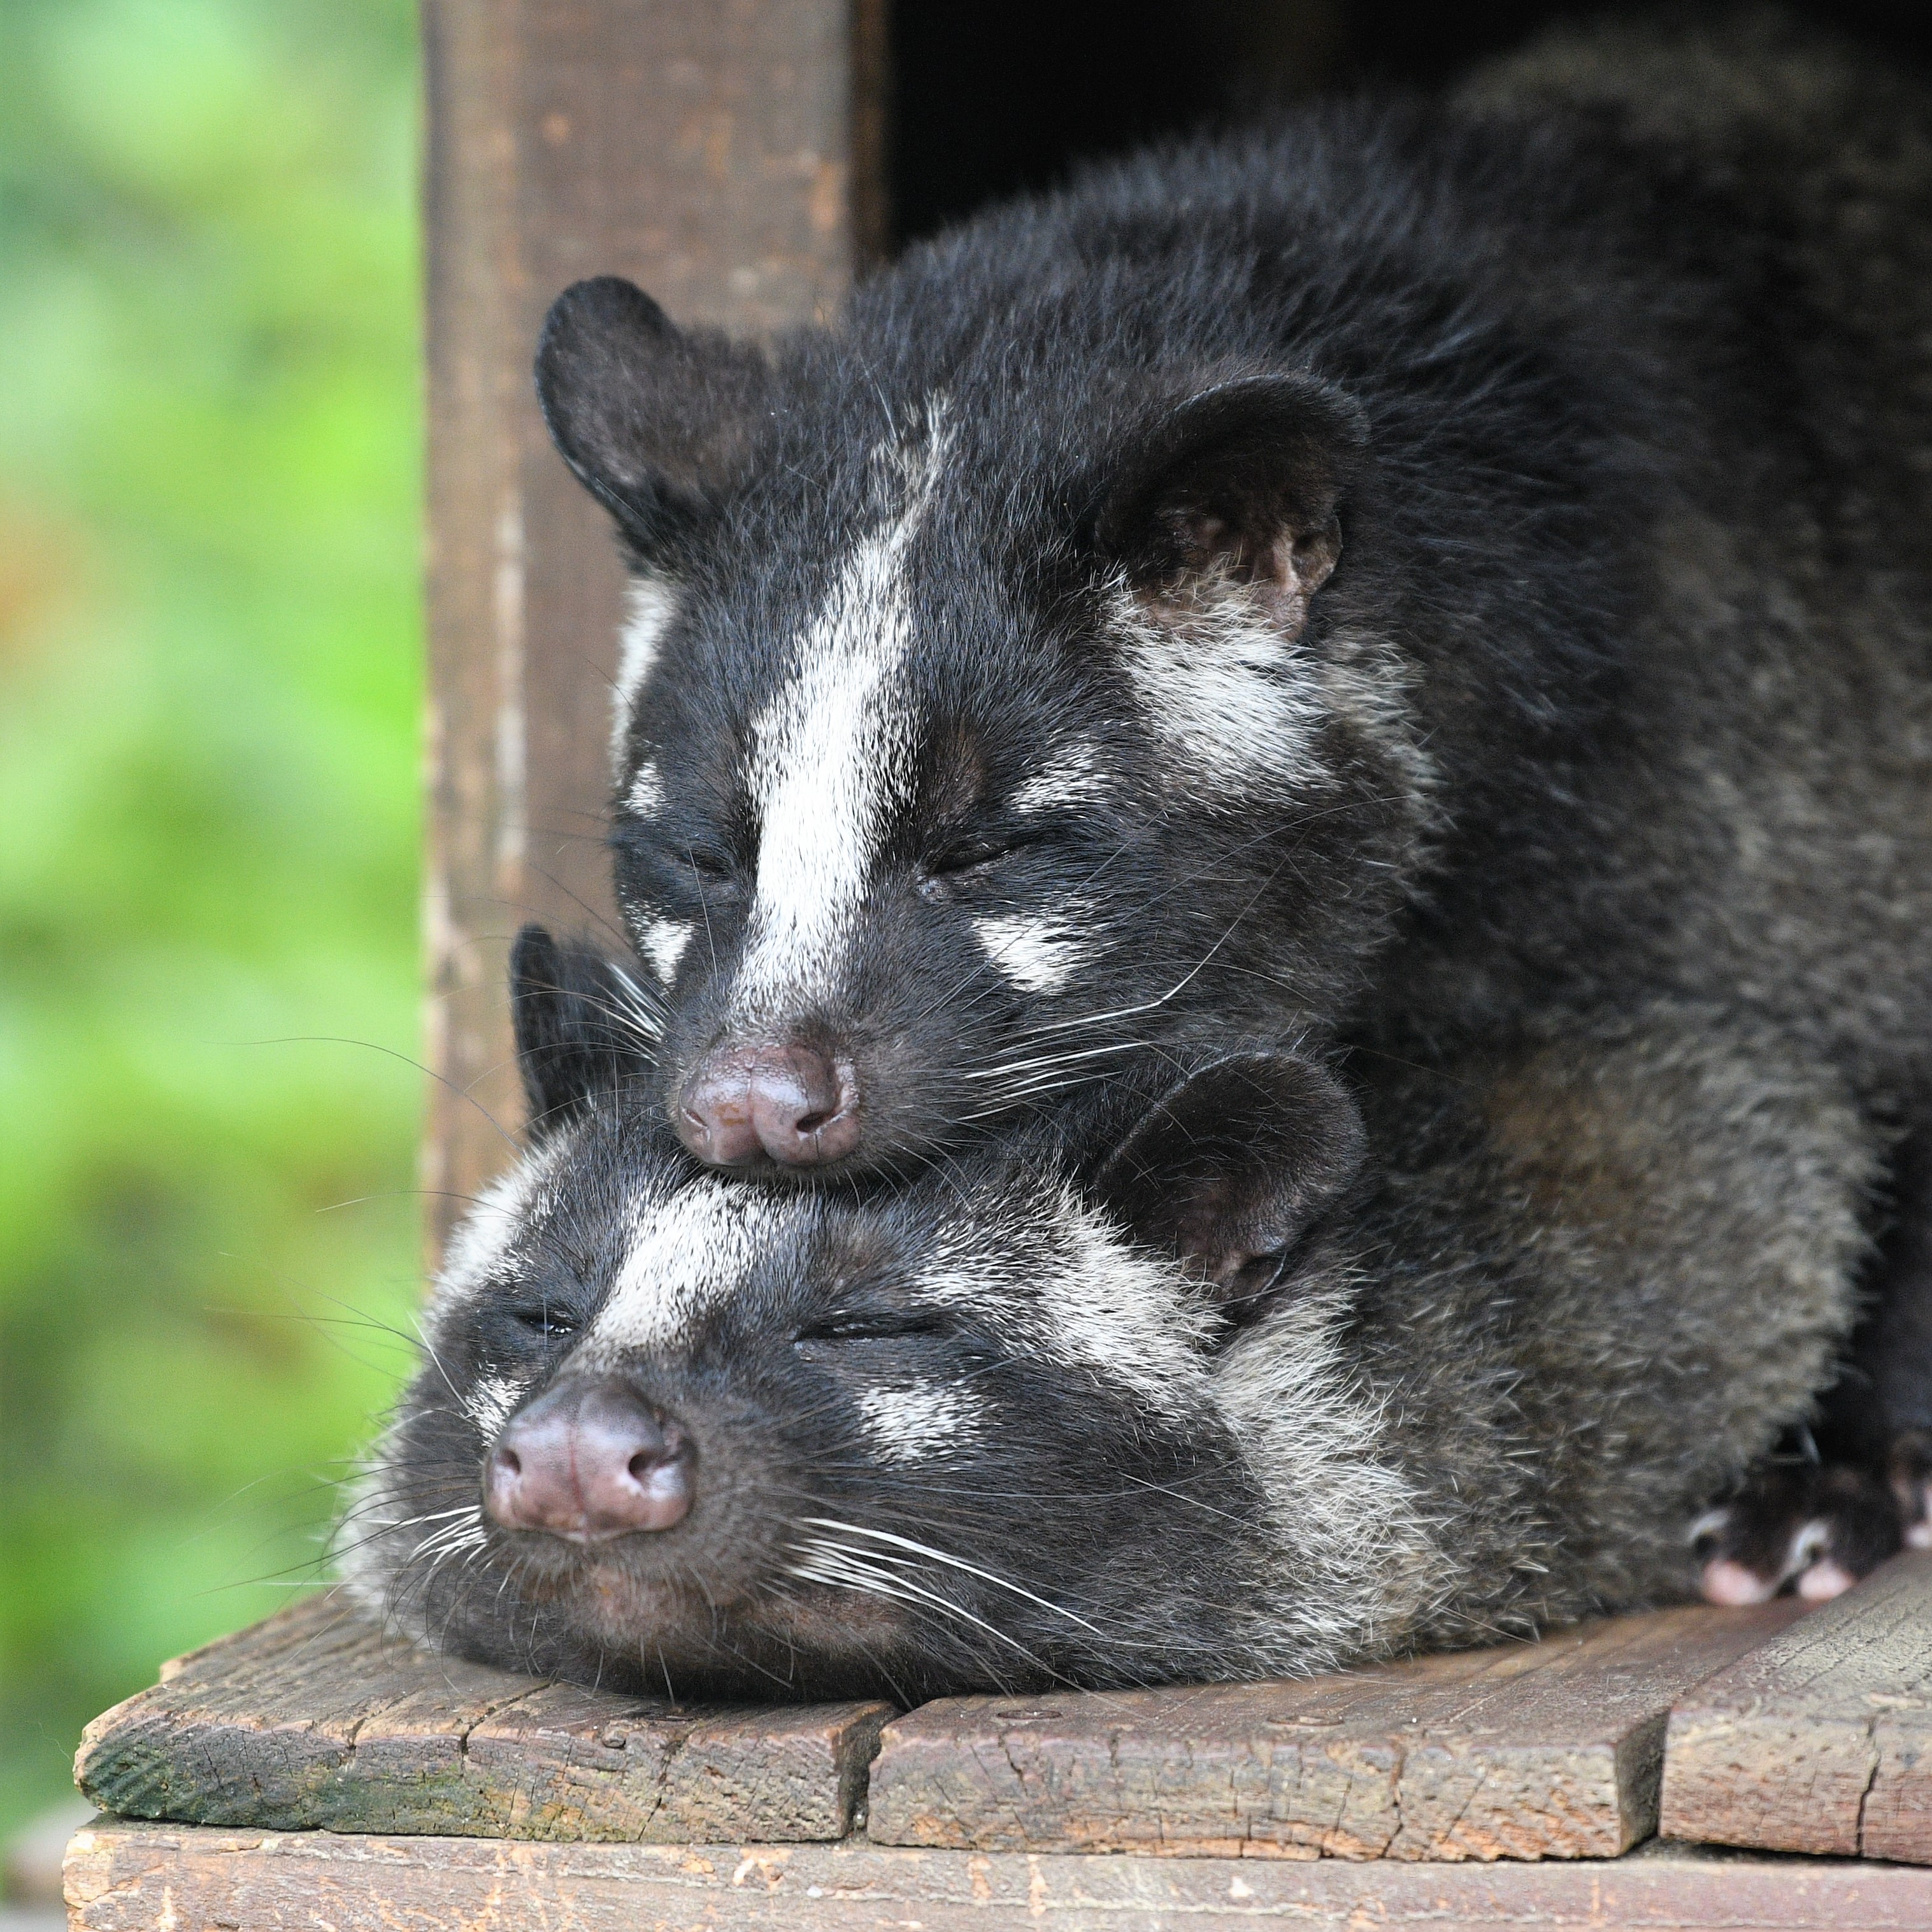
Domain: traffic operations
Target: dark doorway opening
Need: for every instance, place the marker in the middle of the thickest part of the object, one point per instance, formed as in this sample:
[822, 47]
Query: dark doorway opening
[997, 96]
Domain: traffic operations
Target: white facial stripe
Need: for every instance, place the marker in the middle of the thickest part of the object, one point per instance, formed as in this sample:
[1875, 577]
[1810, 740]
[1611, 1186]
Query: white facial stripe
[651, 603]
[646, 793]
[512, 1203]
[1123, 1311]
[918, 1419]
[691, 1250]
[1075, 777]
[490, 1404]
[1359, 1550]
[1038, 954]
[1211, 675]
[663, 943]
[833, 751]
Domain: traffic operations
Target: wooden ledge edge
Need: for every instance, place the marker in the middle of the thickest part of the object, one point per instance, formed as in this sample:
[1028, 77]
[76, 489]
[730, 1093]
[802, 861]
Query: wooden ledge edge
[126, 1877]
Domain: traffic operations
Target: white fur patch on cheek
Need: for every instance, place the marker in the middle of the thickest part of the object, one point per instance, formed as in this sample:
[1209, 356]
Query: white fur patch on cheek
[645, 796]
[1218, 685]
[1053, 1276]
[1110, 1305]
[916, 1420]
[650, 604]
[1038, 955]
[663, 943]
[490, 1404]
[1075, 777]
[689, 1252]
[1361, 1547]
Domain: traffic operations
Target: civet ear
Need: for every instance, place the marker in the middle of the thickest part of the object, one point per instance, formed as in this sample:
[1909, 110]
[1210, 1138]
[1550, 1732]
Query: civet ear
[584, 1026]
[1232, 1167]
[656, 422]
[1246, 478]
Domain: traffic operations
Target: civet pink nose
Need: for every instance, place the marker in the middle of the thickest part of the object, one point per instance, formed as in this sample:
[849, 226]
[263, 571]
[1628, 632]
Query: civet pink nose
[777, 1101]
[590, 1459]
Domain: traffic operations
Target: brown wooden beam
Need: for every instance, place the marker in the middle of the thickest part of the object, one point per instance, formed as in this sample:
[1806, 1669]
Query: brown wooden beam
[725, 155]
[1822, 1740]
[1530, 1750]
[130, 1878]
[315, 1719]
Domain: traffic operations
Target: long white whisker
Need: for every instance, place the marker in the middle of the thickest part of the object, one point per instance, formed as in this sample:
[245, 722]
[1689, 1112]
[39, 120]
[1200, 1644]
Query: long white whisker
[905, 1588]
[940, 1556]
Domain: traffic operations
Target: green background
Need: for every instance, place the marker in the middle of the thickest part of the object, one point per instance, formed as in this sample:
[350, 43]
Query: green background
[210, 671]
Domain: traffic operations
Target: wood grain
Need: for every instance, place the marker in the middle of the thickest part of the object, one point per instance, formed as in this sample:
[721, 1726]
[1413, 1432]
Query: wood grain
[727, 155]
[130, 1878]
[1821, 1741]
[314, 1719]
[1550, 1750]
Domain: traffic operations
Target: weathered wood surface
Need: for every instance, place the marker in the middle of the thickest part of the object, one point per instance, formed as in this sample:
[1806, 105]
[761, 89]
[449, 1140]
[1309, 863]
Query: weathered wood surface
[724, 153]
[315, 1719]
[1550, 1749]
[124, 1877]
[1822, 1740]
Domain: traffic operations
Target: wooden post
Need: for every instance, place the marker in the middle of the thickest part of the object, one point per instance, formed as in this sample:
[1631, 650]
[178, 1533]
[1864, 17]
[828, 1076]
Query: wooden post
[725, 155]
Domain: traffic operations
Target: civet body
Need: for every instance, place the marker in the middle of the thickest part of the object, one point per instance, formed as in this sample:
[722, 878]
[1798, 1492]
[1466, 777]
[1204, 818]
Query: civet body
[1433, 597]
[1227, 1405]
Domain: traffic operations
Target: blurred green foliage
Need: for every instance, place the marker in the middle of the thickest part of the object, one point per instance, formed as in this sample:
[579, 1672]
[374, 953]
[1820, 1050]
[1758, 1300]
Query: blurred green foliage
[209, 692]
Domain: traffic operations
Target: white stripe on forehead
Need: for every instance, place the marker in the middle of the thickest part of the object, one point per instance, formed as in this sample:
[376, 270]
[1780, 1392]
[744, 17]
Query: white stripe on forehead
[831, 754]
[691, 1247]
[1074, 776]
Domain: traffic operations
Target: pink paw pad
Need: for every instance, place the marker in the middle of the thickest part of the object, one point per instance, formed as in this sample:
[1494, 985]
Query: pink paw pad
[1908, 1473]
[1814, 1531]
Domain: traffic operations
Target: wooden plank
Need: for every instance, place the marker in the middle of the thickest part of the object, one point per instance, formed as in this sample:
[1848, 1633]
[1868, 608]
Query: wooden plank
[1821, 1741]
[124, 1877]
[727, 155]
[316, 1719]
[1550, 1750]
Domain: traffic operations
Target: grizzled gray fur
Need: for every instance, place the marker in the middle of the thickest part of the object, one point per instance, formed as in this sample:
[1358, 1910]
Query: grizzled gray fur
[1445, 587]
[1448, 585]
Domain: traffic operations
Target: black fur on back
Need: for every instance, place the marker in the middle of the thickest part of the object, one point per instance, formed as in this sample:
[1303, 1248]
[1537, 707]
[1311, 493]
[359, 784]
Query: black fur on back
[1569, 438]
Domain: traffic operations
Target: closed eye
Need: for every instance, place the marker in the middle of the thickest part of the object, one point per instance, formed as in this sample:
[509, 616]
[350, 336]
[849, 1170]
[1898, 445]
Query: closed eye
[960, 863]
[662, 863]
[884, 1325]
[969, 858]
[549, 1324]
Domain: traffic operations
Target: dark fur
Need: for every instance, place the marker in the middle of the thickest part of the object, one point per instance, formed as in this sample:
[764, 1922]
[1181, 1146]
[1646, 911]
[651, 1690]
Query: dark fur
[1614, 373]
[1848, 1492]
[1142, 1548]
[1611, 376]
